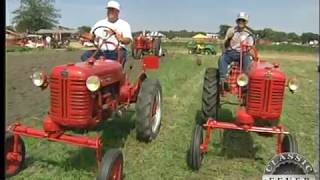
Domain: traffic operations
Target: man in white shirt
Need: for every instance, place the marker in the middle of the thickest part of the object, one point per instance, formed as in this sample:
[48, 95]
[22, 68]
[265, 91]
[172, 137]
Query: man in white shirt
[48, 40]
[232, 46]
[122, 35]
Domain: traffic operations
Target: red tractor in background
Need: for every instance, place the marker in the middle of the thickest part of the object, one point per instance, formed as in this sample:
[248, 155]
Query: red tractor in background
[260, 96]
[82, 97]
[146, 45]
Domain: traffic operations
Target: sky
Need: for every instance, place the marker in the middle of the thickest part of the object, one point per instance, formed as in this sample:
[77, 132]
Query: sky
[198, 15]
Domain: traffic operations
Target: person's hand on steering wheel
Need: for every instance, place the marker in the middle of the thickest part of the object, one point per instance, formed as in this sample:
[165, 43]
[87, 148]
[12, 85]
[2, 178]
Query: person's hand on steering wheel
[107, 33]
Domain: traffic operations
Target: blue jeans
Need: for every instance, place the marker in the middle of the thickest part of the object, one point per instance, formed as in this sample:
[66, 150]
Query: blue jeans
[113, 55]
[232, 56]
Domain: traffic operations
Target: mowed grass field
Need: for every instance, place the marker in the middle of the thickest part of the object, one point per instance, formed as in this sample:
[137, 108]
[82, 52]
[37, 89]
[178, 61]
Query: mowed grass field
[237, 156]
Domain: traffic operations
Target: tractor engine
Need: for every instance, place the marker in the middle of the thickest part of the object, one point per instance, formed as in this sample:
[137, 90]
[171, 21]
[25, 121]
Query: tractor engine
[265, 91]
[80, 93]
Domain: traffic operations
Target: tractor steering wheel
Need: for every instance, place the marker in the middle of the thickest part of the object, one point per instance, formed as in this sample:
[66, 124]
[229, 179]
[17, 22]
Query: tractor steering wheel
[100, 40]
[245, 38]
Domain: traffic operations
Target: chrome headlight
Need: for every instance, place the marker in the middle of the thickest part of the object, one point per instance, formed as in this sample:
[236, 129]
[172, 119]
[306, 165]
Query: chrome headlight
[242, 80]
[293, 84]
[38, 79]
[93, 83]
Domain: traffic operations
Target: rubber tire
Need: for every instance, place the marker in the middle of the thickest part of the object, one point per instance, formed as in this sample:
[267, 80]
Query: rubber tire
[157, 46]
[149, 89]
[210, 95]
[214, 52]
[23, 153]
[195, 156]
[207, 52]
[107, 162]
[289, 143]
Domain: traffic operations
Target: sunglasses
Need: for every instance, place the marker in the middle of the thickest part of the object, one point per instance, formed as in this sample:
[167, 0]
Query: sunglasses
[241, 20]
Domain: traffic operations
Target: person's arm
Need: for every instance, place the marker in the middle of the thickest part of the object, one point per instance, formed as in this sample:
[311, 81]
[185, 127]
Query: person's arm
[228, 37]
[125, 37]
[122, 39]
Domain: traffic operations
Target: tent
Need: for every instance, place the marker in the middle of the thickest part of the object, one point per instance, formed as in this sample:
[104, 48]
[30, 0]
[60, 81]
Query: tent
[200, 36]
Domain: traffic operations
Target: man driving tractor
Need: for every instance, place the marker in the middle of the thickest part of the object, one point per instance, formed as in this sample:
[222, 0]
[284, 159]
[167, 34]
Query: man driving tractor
[232, 47]
[114, 31]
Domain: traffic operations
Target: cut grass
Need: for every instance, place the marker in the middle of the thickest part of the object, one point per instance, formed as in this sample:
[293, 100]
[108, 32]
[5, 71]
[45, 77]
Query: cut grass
[240, 156]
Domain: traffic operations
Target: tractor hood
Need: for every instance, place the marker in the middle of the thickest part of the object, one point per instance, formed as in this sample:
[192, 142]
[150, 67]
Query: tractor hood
[265, 90]
[264, 68]
[104, 69]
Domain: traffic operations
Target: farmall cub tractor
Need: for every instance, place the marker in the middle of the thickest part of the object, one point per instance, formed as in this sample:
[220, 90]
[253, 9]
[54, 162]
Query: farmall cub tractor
[146, 45]
[84, 95]
[259, 102]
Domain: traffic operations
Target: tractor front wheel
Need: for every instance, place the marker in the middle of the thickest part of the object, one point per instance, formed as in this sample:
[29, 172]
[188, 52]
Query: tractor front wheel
[111, 165]
[210, 95]
[14, 160]
[195, 155]
[149, 110]
[289, 143]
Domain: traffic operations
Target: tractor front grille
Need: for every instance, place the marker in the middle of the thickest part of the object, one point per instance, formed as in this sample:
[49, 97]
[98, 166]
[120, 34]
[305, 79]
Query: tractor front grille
[69, 99]
[265, 97]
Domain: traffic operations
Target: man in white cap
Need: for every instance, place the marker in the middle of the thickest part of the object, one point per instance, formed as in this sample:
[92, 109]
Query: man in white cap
[232, 46]
[122, 35]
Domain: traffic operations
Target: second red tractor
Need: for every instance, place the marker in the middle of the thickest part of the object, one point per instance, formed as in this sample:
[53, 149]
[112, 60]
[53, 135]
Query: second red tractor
[146, 45]
[260, 96]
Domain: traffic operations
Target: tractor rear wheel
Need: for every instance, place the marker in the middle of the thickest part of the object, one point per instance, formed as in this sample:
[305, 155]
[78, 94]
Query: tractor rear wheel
[214, 52]
[210, 95]
[289, 143]
[149, 110]
[195, 155]
[157, 47]
[207, 52]
[14, 161]
[111, 165]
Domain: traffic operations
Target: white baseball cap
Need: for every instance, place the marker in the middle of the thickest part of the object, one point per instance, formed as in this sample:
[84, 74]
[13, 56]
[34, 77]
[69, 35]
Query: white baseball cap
[113, 4]
[243, 15]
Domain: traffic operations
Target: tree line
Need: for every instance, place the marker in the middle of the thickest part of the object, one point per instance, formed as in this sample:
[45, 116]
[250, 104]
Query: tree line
[33, 15]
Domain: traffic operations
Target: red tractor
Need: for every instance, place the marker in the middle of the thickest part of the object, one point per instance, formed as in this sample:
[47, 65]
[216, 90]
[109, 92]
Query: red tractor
[82, 97]
[259, 94]
[143, 45]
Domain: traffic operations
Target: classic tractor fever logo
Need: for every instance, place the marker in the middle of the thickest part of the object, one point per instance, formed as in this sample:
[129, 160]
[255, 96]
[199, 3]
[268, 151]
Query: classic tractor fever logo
[288, 165]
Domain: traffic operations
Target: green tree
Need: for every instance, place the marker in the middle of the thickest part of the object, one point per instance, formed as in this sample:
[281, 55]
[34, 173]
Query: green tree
[293, 37]
[33, 15]
[306, 37]
[223, 30]
[83, 29]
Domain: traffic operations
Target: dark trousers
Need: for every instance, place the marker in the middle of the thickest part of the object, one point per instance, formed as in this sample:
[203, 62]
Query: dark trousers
[231, 56]
[112, 55]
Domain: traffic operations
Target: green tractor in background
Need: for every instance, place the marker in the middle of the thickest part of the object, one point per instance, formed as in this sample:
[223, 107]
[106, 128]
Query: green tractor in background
[195, 47]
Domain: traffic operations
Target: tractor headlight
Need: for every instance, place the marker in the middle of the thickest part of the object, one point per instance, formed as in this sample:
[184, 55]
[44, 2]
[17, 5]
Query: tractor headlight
[242, 80]
[293, 84]
[93, 83]
[38, 79]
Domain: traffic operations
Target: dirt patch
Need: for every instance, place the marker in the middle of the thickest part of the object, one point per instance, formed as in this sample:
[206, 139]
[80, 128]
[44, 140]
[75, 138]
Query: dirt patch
[22, 98]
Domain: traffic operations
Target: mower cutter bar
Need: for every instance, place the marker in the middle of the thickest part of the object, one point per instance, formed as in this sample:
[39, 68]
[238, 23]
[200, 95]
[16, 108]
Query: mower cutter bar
[84, 141]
